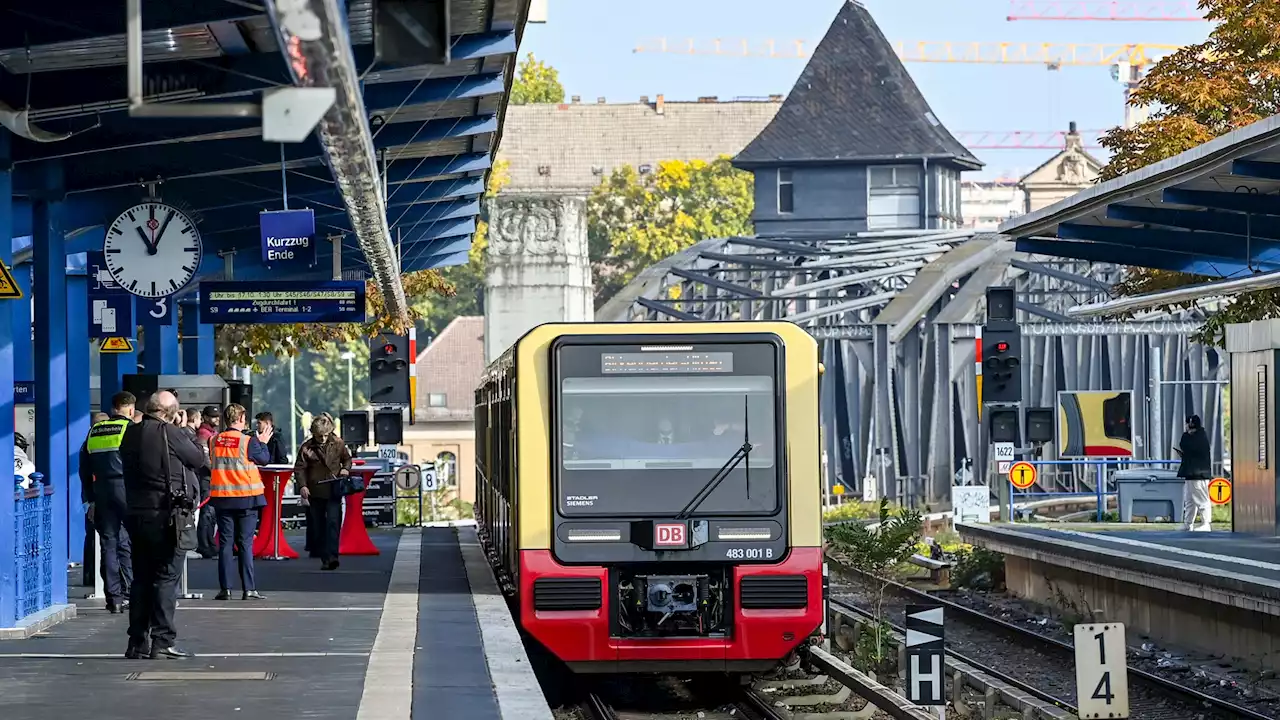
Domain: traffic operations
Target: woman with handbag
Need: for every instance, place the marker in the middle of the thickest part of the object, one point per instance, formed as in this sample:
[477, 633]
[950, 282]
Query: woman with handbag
[321, 472]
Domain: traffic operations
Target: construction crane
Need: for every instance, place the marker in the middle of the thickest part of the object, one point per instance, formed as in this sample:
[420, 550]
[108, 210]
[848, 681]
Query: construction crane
[1051, 55]
[1024, 139]
[1106, 10]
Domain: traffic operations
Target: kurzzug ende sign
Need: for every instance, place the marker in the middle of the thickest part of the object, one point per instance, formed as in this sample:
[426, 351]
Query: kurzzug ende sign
[288, 238]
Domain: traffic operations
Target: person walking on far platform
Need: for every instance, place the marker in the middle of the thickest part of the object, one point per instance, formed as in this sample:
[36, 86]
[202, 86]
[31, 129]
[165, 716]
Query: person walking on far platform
[1196, 470]
[236, 493]
[162, 491]
[322, 460]
[102, 489]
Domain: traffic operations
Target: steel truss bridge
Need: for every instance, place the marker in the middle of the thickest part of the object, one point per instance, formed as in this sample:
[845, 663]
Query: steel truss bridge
[897, 312]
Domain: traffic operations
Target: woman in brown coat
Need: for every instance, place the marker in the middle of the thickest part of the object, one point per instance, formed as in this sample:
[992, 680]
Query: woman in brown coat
[322, 460]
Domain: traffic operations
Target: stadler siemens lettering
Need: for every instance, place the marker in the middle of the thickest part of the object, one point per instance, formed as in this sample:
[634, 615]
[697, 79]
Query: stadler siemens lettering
[276, 247]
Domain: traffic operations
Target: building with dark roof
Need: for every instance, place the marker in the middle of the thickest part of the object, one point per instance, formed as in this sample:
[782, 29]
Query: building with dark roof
[443, 431]
[855, 146]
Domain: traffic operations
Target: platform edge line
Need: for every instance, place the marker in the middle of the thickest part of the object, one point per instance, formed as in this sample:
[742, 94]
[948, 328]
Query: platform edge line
[516, 687]
[388, 676]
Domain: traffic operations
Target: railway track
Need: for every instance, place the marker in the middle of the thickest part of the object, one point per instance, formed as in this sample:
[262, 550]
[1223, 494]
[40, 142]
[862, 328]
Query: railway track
[670, 698]
[1040, 666]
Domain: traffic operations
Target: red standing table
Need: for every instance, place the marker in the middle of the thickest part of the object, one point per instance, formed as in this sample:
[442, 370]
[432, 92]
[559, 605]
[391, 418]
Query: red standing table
[271, 544]
[355, 539]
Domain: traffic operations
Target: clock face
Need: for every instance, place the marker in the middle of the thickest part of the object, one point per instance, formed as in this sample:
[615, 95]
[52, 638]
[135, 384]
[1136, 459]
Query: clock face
[153, 250]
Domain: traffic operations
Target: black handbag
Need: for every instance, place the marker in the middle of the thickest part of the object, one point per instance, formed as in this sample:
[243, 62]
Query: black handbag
[349, 485]
[182, 519]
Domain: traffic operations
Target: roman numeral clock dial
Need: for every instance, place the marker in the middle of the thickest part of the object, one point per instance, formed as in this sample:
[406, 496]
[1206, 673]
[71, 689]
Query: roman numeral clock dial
[153, 250]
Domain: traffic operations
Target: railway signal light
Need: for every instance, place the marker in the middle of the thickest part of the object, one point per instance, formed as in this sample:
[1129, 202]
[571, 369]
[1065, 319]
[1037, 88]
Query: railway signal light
[1004, 425]
[389, 361]
[1039, 425]
[1001, 364]
[388, 427]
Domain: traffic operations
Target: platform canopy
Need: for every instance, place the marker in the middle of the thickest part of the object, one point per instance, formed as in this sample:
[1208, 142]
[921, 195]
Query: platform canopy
[434, 128]
[1213, 210]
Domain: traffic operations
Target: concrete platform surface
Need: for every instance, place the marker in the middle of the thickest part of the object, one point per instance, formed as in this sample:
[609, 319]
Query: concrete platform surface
[1246, 554]
[394, 637]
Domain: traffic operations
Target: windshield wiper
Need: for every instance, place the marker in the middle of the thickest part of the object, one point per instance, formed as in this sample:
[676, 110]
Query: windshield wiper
[742, 453]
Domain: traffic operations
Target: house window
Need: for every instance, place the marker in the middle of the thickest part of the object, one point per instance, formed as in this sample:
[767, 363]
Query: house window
[447, 469]
[893, 197]
[437, 400]
[786, 192]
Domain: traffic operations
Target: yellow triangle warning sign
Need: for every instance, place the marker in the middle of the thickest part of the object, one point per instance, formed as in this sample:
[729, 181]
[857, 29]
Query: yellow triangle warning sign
[116, 345]
[9, 289]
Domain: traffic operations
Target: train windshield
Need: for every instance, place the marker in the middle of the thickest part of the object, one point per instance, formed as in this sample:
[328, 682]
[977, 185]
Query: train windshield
[642, 432]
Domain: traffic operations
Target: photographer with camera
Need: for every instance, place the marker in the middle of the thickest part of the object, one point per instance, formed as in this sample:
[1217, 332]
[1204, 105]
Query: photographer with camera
[162, 491]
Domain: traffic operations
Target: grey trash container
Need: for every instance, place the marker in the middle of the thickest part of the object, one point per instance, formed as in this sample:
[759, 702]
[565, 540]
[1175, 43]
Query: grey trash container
[1149, 492]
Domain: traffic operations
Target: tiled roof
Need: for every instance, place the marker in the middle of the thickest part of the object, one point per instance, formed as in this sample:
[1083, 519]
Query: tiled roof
[854, 101]
[572, 147]
[451, 365]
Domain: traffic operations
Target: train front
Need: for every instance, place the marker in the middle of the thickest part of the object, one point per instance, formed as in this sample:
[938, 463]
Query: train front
[673, 527]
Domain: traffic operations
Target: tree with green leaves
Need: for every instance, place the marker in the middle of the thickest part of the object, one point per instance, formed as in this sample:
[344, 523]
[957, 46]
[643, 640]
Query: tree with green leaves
[635, 220]
[536, 82]
[1203, 91]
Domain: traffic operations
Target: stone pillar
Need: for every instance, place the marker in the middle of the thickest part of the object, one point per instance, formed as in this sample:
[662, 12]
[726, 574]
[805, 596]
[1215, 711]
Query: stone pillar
[538, 270]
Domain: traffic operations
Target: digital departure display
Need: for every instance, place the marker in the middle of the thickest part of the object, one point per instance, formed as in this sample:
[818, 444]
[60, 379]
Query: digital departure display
[658, 363]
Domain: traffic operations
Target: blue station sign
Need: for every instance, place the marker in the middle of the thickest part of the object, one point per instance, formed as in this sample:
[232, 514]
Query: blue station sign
[282, 302]
[288, 238]
[24, 392]
[110, 306]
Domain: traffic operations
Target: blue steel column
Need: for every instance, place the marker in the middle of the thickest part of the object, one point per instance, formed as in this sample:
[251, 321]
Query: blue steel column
[159, 354]
[197, 342]
[77, 405]
[8, 520]
[49, 288]
[112, 367]
[23, 365]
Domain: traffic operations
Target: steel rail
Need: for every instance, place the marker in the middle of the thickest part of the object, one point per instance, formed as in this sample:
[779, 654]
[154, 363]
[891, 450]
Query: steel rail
[895, 705]
[982, 667]
[1188, 693]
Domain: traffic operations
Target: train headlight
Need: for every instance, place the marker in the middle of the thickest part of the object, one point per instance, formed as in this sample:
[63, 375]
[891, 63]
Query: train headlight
[743, 533]
[593, 535]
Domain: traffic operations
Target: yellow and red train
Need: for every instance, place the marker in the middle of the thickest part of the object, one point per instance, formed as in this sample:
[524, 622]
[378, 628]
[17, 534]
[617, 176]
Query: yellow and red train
[650, 492]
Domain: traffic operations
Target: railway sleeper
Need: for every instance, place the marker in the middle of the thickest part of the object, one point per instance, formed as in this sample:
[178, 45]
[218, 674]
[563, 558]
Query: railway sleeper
[845, 630]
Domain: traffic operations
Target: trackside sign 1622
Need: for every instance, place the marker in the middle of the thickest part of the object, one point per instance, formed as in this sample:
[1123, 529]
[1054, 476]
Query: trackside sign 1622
[288, 238]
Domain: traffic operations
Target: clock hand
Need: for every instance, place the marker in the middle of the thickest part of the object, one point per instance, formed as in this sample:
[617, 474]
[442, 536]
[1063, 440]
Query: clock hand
[151, 248]
[164, 226]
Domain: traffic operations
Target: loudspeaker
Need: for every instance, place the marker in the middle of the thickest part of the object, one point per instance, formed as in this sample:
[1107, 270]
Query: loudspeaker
[388, 427]
[355, 428]
[1039, 425]
[241, 393]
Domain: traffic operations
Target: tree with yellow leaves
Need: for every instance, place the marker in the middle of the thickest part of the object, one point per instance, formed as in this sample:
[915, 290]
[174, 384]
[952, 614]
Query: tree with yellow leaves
[1201, 92]
[635, 220]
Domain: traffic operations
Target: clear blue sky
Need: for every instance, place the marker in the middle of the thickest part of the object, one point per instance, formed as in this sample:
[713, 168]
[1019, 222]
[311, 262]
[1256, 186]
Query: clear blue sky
[590, 42]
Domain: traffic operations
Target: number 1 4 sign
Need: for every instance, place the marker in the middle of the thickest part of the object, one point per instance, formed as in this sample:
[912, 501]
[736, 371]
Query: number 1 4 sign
[1102, 671]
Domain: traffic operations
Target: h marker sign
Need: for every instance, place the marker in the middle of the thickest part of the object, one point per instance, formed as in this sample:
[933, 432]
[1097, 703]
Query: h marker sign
[925, 662]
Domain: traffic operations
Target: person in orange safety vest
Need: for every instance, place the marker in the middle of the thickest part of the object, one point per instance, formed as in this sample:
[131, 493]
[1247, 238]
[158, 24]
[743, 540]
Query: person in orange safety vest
[236, 493]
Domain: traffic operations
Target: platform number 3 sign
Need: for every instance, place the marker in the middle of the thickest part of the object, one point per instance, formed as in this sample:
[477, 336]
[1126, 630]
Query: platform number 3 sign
[1102, 671]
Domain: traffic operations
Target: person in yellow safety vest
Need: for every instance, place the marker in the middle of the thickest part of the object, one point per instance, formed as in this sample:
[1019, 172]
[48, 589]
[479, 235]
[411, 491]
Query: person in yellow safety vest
[102, 491]
[236, 492]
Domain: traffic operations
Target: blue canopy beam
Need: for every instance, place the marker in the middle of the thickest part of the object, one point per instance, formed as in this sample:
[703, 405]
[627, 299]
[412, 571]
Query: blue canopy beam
[1206, 220]
[1238, 202]
[1204, 244]
[1137, 257]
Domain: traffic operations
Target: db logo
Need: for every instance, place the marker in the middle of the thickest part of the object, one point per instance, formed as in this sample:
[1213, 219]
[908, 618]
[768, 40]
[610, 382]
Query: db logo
[669, 535]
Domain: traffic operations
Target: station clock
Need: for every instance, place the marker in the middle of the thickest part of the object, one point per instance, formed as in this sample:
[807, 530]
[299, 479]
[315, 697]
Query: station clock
[153, 250]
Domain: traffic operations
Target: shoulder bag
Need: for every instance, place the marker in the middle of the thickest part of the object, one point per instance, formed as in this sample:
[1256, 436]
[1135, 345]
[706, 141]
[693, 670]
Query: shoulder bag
[181, 517]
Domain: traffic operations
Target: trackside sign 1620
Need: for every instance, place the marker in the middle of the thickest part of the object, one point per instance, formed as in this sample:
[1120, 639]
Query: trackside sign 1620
[288, 238]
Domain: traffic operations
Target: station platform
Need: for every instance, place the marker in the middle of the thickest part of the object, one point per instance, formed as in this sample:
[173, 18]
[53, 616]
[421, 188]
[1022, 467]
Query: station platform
[418, 631]
[1215, 592]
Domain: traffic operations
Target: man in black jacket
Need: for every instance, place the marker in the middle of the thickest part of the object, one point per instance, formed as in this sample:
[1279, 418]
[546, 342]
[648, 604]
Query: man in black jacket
[156, 483]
